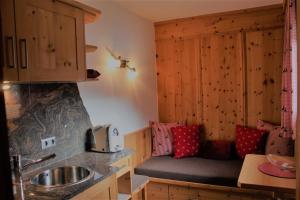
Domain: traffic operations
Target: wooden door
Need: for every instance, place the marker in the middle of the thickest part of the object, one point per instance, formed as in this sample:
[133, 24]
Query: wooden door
[179, 91]
[264, 70]
[10, 70]
[222, 82]
[50, 43]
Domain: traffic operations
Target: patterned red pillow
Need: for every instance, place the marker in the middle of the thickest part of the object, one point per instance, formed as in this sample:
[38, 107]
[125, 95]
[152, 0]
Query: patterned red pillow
[217, 149]
[276, 143]
[186, 141]
[162, 138]
[248, 141]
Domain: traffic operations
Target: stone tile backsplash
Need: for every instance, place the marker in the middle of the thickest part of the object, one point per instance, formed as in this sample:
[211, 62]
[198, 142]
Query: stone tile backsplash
[38, 111]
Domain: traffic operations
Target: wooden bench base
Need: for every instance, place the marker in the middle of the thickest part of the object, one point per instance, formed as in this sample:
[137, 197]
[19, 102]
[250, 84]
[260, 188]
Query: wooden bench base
[165, 189]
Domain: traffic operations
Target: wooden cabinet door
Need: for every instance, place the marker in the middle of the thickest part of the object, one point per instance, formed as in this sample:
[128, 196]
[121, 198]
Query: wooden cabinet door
[223, 84]
[182, 193]
[157, 191]
[8, 48]
[264, 70]
[50, 40]
[104, 190]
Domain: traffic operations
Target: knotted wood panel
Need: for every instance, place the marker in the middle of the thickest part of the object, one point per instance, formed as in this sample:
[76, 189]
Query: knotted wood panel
[223, 86]
[178, 74]
[264, 71]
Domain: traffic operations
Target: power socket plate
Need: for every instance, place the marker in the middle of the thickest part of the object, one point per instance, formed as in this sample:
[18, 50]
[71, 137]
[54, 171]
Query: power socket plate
[48, 142]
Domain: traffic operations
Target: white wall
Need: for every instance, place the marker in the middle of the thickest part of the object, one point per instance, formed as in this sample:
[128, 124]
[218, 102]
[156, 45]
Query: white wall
[117, 98]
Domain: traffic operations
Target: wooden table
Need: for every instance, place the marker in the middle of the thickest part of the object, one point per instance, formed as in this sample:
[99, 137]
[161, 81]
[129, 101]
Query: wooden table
[251, 177]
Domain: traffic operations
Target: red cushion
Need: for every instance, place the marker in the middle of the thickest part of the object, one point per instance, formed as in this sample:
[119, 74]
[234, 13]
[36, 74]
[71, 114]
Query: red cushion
[186, 141]
[217, 149]
[249, 141]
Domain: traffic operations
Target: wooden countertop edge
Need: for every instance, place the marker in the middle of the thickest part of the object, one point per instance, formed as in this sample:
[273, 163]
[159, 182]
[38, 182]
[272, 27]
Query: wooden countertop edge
[267, 188]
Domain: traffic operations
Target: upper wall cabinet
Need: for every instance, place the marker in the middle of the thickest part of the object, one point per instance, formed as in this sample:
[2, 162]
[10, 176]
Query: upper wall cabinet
[8, 47]
[44, 40]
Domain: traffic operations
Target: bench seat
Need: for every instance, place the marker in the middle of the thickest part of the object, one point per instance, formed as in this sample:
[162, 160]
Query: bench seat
[193, 169]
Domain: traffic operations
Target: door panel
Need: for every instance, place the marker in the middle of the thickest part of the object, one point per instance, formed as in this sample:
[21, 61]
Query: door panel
[264, 70]
[10, 70]
[179, 91]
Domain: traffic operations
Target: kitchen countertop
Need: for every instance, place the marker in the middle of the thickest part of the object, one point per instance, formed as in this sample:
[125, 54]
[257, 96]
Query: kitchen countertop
[98, 162]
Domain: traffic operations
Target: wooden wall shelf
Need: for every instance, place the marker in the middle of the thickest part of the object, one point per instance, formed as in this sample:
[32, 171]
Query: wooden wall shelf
[90, 48]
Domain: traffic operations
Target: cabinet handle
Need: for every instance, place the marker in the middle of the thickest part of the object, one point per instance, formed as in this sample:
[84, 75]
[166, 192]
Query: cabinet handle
[24, 53]
[10, 52]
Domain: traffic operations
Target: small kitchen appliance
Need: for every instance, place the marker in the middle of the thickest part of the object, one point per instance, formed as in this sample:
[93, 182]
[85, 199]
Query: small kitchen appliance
[104, 138]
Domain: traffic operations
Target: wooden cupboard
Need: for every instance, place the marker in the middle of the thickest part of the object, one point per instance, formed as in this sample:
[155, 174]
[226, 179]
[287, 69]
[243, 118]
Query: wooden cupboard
[43, 40]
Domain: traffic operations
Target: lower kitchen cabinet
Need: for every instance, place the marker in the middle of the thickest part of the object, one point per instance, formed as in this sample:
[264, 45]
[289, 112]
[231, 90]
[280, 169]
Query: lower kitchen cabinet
[104, 190]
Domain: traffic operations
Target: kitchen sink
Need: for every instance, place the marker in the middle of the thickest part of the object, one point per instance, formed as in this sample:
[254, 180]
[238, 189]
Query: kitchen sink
[62, 176]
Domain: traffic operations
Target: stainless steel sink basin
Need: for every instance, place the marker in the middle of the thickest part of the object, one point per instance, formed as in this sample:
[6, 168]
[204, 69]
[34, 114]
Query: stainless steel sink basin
[62, 176]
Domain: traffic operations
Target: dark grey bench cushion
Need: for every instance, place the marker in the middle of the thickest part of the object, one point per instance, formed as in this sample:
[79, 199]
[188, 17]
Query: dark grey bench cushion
[194, 169]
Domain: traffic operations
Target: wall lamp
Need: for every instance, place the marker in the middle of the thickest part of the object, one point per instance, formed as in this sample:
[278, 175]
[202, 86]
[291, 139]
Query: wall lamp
[123, 62]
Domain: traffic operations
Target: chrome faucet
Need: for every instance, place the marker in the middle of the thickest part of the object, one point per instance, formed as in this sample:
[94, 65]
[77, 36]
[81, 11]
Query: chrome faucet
[18, 168]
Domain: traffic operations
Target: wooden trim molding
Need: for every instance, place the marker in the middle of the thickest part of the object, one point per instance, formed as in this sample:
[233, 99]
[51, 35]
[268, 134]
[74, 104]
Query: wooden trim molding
[241, 20]
[249, 10]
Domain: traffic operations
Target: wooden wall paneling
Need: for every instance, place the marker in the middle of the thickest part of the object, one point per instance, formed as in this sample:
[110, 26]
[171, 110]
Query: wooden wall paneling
[179, 91]
[210, 89]
[249, 19]
[165, 86]
[187, 81]
[264, 70]
[141, 142]
[222, 82]
[188, 95]
[209, 85]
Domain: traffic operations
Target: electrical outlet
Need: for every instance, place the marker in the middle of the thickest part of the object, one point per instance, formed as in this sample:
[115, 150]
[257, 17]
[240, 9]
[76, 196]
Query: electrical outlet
[48, 142]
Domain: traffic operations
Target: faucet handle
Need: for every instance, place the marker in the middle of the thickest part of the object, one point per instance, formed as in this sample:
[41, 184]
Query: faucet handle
[40, 160]
[46, 157]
